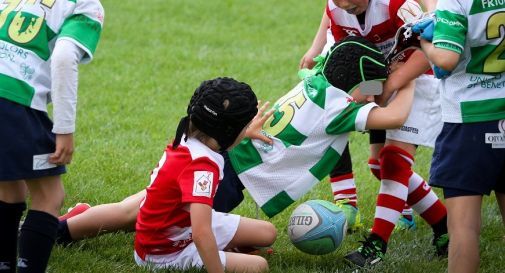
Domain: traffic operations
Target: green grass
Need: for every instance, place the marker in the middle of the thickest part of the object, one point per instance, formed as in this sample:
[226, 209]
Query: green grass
[151, 58]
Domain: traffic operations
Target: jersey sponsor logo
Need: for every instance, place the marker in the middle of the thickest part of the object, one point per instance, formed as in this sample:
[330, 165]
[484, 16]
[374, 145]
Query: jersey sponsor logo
[501, 126]
[41, 162]
[202, 185]
[351, 31]
[497, 140]
[409, 11]
[492, 3]
[409, 129]
[449, 22]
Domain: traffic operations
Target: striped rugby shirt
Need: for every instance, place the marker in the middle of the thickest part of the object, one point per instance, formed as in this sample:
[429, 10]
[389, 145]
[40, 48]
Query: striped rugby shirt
[474, 92]
[28, 32]
[310, 129]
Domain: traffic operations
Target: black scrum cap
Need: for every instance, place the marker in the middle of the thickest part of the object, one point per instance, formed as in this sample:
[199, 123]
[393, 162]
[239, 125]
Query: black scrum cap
[352, 61]
[220, 108]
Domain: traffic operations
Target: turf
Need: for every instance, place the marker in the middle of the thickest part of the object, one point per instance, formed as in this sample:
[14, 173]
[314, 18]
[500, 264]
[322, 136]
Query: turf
[151, 57]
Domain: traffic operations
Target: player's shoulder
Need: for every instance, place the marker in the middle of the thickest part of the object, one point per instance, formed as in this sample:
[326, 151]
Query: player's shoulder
[203, 155]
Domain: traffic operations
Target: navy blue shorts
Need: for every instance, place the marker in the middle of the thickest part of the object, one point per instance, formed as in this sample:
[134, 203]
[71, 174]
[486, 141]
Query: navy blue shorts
[26, 142]
[469, 159]
[229, 192]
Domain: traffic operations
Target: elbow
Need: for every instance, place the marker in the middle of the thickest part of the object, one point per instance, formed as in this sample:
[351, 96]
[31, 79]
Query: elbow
[444, 59]
[445, 64]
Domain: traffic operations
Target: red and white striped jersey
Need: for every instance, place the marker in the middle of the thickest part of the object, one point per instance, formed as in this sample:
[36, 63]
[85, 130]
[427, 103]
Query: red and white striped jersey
[382, 19]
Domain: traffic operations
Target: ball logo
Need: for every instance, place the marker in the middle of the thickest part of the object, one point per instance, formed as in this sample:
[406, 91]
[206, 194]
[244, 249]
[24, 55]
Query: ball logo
[300, 220]
[501, 126]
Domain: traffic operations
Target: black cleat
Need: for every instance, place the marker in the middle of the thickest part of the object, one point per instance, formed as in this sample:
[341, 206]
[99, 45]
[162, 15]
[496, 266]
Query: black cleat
[369, 254]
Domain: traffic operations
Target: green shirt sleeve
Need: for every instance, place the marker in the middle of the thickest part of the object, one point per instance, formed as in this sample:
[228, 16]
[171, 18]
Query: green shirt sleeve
[84, 26]
[451, 28]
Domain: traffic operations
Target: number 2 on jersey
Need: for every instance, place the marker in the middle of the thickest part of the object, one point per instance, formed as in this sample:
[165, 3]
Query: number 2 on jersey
[495, 62]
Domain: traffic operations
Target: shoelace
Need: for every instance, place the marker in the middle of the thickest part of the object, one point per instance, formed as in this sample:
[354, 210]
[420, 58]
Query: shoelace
[369, 248]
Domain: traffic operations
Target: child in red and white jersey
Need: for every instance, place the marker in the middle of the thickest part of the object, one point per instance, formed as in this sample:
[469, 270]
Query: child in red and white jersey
[176, 226]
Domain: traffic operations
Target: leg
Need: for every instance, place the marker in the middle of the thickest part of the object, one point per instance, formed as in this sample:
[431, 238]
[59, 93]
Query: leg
[106, 218]
[39, 230]
[264, 234]
[395, 169]
[238, 262]
[464, 221]
[12, 205]
[344, 190]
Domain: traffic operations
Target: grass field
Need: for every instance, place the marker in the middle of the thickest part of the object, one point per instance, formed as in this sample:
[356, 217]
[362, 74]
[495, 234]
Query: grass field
[151, 57]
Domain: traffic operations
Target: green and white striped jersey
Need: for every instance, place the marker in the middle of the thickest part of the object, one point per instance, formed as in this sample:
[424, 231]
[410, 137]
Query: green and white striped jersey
[310, 129]
[28, 32]
[474, 92]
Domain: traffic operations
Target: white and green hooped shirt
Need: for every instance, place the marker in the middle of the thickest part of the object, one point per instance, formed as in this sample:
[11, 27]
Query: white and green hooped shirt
[310, 129]
[475, 91]
[28, 32]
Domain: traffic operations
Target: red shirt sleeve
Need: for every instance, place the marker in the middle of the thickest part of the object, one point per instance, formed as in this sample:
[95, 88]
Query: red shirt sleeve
[198, 182]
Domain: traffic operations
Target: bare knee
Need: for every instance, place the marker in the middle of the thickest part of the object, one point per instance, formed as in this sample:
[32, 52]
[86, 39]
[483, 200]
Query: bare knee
[270, 233]
[262, 264]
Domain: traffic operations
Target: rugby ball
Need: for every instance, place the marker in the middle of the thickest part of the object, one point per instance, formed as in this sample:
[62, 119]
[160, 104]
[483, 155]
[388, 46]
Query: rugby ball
[317, 227]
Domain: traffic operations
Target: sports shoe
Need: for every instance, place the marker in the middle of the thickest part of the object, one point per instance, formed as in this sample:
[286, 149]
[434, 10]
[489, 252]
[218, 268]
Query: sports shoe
[75, 210]
[405, 40]
[405, 224]
[441, 244]
[369, 254]
[351, 214]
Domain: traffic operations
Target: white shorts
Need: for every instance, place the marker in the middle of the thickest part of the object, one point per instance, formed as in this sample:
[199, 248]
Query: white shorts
[425, 119]
[224, 227]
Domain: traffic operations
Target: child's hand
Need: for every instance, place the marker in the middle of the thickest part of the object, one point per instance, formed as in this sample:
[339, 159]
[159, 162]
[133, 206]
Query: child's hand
[307, 60]
[254, 129]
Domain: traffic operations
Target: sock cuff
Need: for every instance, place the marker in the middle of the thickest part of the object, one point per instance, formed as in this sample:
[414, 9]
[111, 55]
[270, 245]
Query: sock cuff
[390, 149]
[373, 161]
[41, 222]
[17, 207]
[341, 177]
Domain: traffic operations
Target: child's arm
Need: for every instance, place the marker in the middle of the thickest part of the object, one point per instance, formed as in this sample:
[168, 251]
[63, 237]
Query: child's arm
[443, 58]
[203, 237]
[415, 66]
[307, 60]
[64, 73]
[396, 113]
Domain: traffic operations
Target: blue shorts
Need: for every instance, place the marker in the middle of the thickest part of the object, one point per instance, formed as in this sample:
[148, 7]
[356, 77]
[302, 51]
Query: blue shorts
[26, 142]
[469, 159]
